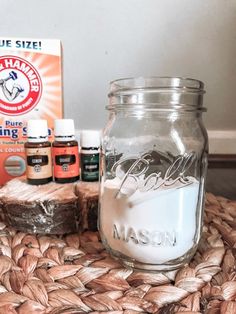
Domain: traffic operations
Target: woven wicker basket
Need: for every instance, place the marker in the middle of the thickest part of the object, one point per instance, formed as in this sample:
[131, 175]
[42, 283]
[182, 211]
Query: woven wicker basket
[74, 274]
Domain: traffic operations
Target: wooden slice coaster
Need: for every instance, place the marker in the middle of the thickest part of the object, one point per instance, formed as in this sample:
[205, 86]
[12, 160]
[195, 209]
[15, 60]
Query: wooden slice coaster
[87, 193]
[49, 208]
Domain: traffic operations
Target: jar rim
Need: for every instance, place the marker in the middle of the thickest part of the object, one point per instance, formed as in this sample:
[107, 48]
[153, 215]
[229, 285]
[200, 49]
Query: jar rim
[157, 82]
[156, 93]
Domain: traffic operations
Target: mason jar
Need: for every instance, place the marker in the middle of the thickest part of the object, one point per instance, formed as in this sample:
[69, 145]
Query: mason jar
[154, 161]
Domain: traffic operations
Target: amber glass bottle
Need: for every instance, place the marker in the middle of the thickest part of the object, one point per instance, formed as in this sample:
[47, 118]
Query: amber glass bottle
[65, 152]
[38, 153]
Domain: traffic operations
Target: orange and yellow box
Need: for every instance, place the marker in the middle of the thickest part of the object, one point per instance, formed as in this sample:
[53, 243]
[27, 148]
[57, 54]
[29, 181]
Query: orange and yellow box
[30, 88]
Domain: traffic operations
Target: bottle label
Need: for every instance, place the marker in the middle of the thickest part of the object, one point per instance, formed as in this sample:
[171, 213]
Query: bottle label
[90, 167]
[39, 163]
[66, 162]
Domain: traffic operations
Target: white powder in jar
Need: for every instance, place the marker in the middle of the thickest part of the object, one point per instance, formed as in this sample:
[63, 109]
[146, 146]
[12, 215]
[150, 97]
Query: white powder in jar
[151, 227]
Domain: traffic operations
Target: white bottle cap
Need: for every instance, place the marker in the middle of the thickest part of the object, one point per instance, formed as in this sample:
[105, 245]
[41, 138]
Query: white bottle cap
[37, 130]
[64, 129]
[90, 138]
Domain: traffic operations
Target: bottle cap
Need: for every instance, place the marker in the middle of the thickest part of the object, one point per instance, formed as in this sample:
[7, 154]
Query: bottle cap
[64, 129]
[37, 130]
[90, 138]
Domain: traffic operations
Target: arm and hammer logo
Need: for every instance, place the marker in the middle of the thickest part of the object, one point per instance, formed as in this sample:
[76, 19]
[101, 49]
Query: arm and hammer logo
[20, 86]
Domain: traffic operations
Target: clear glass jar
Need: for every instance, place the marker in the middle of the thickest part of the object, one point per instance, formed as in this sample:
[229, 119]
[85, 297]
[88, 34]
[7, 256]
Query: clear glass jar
[154, 160]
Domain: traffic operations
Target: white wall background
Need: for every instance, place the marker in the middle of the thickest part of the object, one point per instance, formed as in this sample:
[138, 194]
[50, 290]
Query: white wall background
[107, 39]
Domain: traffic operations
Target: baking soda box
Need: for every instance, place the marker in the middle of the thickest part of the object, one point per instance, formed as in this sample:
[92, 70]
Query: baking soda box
[30, 88]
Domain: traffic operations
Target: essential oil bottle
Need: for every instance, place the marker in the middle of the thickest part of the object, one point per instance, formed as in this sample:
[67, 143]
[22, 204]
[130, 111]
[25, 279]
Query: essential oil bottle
[38, 153]
[90, 155]
[65, 152]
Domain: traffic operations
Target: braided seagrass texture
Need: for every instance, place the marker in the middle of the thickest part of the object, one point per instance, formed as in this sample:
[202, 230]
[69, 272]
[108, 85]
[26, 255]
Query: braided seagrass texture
[74, 274]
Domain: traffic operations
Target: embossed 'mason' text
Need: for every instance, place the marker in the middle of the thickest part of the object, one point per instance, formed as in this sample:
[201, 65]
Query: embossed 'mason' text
[154, 238]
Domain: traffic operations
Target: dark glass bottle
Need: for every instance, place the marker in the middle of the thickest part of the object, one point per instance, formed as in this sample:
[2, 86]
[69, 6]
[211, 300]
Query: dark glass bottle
[65, 152]
[38, 153]
[90, 155]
